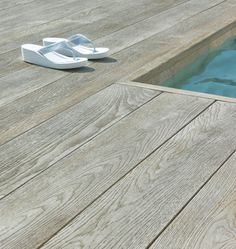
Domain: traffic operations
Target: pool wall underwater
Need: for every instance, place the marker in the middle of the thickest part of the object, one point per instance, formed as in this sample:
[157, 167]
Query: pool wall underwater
[213, 72]
[163, 71]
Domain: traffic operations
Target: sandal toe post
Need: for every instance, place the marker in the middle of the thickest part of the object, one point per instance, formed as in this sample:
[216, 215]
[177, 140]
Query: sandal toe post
[78, 43]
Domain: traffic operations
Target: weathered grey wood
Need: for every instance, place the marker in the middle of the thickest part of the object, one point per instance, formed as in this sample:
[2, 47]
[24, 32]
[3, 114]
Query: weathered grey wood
[45, 204]
[208, 221]
[94, 28]
[26, 81]
[159, 70]
[5, 4]
[40, 12]
[76, 87]
[93, 23]
[41, 147]
[36, 210]
[99, 28]
[178, 91]
[28, 72]
[100, 14]
[189, 12]
[138, 208]
[158, 73]
[11, 62]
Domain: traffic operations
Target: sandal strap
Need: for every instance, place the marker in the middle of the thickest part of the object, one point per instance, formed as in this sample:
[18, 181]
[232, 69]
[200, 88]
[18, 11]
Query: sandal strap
[56, 46]
[79, 39]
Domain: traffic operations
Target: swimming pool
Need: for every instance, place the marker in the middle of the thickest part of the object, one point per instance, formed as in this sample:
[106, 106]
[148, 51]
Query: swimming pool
[214, 72]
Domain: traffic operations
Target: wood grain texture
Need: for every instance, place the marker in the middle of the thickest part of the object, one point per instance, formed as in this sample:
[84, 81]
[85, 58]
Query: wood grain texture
[177, 91]
[105, 24]
[189, 35]
[72, 150]
[40, 12]
[96, 22]
[30, 77]
[209, 219]
[135, 210]
[5, 4]
[68, 91]
[46, 144]
[26, 81]
[45, 204]
[88, 16]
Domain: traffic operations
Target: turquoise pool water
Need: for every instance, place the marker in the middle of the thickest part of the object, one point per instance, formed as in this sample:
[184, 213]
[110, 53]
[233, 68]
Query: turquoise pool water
[214, 72]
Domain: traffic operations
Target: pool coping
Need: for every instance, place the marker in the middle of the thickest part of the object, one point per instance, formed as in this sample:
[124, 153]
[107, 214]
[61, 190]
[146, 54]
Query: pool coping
[166, 67]
[177, 91]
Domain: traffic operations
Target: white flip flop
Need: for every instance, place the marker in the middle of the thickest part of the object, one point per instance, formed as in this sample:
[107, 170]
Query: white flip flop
[48, 56]
[77, 42]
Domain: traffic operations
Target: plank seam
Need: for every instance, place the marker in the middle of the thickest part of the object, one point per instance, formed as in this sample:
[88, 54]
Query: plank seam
[141, 20]
[112, 54]
[213, 6]
[163, 88]
[126, 27]
[188, 202]
[171, 7]
[71, 106]
[100, 195]
[91, 81]
[45, 23]
[81, 145]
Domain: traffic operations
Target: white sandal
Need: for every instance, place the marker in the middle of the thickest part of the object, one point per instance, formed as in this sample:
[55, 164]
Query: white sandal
[49, 56]
[76, 42]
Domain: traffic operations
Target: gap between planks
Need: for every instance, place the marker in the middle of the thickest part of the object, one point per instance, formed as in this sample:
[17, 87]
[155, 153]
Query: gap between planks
[206, 221]
[129, 147]
[92, 88]
[185, 171]
[177, 91]
[154, 244]
[84, 133]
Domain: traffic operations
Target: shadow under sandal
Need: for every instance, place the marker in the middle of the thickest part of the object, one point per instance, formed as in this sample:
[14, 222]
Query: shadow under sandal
[77, 42]
[49, 56]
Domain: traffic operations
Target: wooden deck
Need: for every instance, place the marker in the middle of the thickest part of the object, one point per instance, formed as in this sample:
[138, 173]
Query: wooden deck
[88, 161]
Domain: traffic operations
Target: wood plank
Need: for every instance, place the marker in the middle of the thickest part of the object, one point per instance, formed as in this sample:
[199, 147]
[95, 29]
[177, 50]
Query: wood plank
[208, 221]
[40, 12]
[15, 77]
[101, 28]
[28, 72]
[176, 90]
[5, 4]
[42, 206]
[135, 210]
[94, 28]
[179, 17]
[11, 61]
[76, 86]
[25, 81]
[84, 19]
[43, 146]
